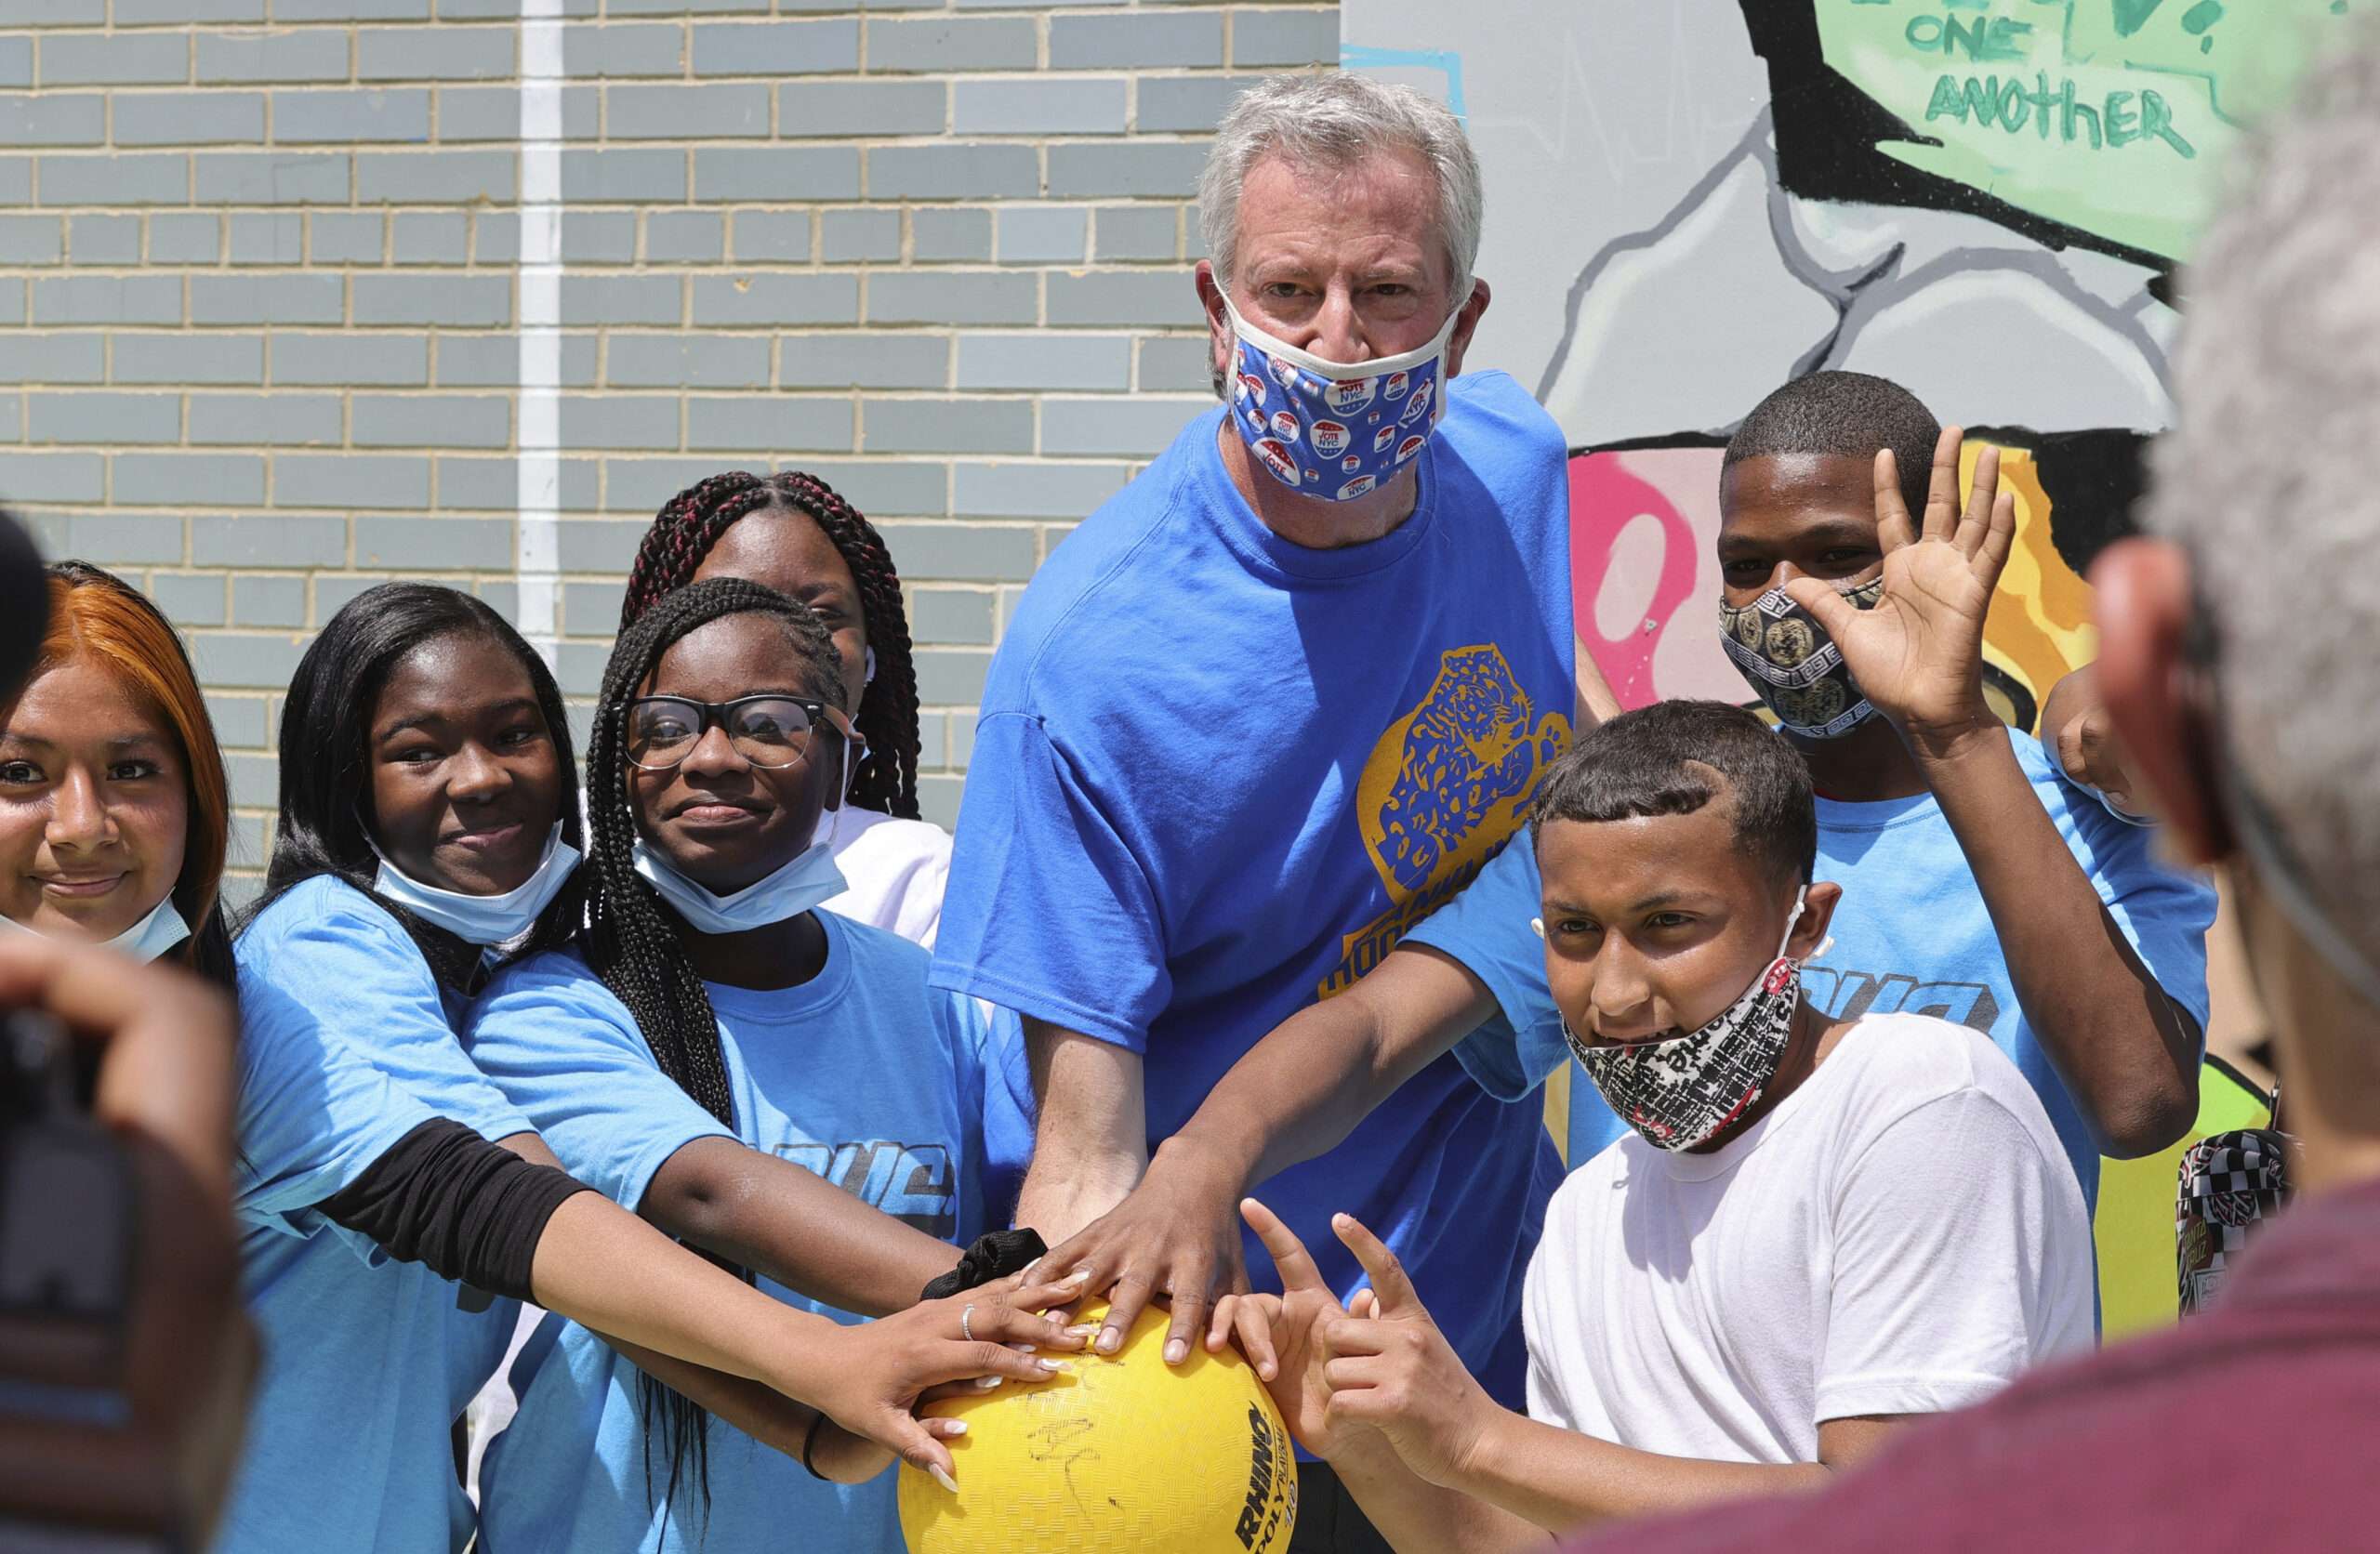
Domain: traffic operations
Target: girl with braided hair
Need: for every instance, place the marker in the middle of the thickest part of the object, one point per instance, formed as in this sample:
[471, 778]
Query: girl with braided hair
[792, 533]
[428, 821]
[773, 1084]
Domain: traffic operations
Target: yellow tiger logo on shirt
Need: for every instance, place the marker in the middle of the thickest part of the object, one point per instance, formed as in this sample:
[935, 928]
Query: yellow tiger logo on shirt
[1445, 787]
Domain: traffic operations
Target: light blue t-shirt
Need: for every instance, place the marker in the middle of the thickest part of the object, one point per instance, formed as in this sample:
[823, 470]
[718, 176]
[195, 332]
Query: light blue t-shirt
[862, 1074]
[1218, 775]
[1911, 936]
[345, 1047]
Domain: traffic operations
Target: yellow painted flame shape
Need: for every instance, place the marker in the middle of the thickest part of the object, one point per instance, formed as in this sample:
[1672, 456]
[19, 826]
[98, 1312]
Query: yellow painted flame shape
[2039, 628]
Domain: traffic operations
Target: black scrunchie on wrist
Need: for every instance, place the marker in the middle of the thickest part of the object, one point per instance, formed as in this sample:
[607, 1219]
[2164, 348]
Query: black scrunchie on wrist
[995, 1256]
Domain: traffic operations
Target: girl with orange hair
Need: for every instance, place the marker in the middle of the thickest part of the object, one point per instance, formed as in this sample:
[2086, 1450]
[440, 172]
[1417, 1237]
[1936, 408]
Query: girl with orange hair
[113, 808]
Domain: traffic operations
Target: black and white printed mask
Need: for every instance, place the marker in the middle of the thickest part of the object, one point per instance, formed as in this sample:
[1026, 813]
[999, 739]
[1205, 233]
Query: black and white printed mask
[1686, 1091]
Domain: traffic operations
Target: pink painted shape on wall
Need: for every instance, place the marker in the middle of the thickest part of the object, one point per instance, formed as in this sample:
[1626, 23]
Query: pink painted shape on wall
[1644, 573]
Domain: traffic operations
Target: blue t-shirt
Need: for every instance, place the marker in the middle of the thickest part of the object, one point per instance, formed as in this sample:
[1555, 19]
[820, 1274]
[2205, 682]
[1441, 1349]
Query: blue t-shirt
[863, 1075]
[1218, 775]
[1911, 936]
[345, 1047]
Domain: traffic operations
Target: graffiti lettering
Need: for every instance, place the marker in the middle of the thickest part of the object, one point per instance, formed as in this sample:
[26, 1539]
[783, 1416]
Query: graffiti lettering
[1984, 38]
[1990, 103]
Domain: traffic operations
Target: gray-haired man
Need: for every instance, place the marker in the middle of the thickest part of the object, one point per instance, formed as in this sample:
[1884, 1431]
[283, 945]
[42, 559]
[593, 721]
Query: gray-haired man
[1275, 702]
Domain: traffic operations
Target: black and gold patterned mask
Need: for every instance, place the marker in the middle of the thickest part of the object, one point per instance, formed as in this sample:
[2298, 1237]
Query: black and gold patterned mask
[1794, 665]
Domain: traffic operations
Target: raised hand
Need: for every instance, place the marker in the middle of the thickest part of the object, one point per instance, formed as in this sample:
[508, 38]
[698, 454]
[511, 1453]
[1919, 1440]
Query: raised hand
[1918, 654]
[1395, 1373]
[1173, 1236]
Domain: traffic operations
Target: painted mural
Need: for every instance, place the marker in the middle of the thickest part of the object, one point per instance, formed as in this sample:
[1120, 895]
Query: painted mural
[1987, 201]
[1644, 520]
[1984, 201]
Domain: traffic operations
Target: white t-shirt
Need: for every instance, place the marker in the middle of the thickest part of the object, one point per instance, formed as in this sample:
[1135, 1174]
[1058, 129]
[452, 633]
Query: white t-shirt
[1900, 1235]
[894, 871]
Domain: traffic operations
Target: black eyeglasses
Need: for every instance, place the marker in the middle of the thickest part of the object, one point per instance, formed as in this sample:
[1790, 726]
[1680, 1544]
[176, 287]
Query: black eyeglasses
[765, 731]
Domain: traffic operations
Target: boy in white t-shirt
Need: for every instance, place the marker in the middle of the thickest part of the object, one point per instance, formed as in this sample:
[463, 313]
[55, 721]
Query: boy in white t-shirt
[1814, 1231]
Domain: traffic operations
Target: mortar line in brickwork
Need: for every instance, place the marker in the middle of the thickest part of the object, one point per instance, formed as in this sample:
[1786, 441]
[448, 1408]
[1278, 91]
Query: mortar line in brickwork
[537, 528]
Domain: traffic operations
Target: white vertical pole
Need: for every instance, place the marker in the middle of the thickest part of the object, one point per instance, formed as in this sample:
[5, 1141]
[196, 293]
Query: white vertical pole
[537, 562]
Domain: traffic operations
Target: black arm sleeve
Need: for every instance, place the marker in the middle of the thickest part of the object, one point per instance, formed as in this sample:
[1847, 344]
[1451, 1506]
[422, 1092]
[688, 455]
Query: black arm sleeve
[470, 1210]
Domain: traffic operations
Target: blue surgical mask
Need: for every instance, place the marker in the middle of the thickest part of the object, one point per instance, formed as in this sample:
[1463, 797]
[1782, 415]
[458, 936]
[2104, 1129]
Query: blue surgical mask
[146, 940]
[806, 879]
[1331, 429]
[488, 920]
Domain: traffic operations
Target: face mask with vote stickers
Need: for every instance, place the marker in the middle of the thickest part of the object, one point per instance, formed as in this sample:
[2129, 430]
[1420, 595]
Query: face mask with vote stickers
[158, 931]
[1686, 1091]
[1794, 665]
[487, 920]
[1333, 429]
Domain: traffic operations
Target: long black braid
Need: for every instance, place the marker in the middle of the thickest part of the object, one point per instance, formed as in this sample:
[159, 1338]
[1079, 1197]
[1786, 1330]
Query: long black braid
[692, 521]
[631, 937]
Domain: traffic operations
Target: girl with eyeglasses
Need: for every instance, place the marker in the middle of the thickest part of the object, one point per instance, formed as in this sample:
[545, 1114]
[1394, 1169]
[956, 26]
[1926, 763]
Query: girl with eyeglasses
[792, 533]
[429, 826]
[710, 1048]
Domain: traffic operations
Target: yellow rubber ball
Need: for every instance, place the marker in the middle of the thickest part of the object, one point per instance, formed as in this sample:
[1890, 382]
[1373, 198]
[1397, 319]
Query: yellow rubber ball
[1124, 1453]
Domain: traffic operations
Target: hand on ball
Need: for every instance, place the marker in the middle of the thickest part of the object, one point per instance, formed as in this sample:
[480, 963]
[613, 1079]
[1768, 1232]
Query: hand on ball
[887, 1365]
[1172, 1238]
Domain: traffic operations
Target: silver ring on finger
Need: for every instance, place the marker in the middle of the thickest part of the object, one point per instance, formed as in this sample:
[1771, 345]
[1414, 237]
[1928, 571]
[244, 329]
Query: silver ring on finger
[967, 1322]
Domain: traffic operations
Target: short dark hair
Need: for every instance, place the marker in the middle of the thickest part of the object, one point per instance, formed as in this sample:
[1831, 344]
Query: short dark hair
[1846, 414]
[1674, 758]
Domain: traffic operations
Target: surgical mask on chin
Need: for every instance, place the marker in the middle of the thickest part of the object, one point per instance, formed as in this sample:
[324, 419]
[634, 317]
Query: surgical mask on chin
[1795, 667]
[487, 921]
[1686, 1091]
[802, 882]
[1332, 429]
[160, 930]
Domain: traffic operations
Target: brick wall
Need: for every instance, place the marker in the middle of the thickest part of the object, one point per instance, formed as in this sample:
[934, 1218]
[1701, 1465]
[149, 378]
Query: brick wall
[264, 303]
